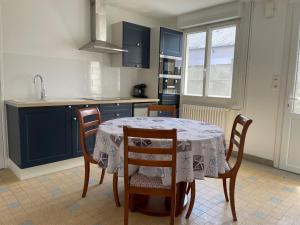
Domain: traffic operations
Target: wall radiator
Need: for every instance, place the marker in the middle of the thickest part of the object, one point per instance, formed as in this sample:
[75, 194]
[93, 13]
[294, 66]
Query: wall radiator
[212, 115]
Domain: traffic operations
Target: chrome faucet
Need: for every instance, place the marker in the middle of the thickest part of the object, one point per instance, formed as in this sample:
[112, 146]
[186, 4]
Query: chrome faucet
[43, 92]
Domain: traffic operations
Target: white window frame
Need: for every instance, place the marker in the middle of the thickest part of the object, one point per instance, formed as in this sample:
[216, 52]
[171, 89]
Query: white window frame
[234, 101]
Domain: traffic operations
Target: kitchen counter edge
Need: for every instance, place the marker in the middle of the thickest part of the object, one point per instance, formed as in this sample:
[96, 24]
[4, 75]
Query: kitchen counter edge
[62, 102]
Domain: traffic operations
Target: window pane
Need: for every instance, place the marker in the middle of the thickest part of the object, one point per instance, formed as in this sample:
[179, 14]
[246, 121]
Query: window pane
[195, 63]
[296, 107]
[221, 62]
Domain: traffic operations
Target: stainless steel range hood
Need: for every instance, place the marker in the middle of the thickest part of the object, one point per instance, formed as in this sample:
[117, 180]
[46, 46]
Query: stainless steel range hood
[98, 41]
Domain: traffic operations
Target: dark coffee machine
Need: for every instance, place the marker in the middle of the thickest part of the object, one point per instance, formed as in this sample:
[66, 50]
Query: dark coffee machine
[138, 91]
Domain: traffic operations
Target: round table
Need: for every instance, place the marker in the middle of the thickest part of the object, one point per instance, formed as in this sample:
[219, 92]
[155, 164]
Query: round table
[200, 151]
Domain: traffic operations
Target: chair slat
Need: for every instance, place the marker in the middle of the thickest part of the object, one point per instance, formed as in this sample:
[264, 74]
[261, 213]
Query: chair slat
[237, 133]
[88, 112]
[91, 123]
[152, 163]
[164, 108]
[235, 142]
[150, 133]
[148, 150]
[90, 132]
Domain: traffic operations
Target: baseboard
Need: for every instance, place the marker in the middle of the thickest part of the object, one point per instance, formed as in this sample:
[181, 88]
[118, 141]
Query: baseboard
[266, 162]
[36, 171]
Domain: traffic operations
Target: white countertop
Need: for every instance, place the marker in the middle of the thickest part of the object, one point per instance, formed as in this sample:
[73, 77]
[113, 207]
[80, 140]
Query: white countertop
[21, 103]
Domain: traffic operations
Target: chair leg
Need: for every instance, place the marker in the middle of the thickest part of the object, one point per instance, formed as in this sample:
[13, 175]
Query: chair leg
[126, 208]
[115, 189]
[173, 210]
[231, 195]
[188, 189]
[225, 189]
[131, 202]
[192, 200]
[102, 175]
[86, 178]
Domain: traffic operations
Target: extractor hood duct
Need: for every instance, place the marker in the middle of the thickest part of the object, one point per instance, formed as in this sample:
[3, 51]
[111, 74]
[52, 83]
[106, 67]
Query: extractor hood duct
[98, 41]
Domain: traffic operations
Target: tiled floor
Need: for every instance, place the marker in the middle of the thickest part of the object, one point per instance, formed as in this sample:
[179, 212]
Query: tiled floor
[263, 196]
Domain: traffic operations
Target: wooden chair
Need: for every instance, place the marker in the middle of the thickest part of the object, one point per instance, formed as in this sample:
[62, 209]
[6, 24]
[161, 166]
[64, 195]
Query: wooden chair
[230, 171]
[88, 129]
[143, 185]
[165, 108]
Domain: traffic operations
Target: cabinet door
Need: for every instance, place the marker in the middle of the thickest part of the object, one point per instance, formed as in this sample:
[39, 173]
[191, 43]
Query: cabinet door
[136, 39]
[114, 111]
[136, 35]
[134, 56]
[45, 135]
[90, 141]
[168, 99]
[170, 42]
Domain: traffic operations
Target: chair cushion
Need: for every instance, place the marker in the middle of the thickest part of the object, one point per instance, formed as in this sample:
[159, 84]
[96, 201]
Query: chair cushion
[140, 180]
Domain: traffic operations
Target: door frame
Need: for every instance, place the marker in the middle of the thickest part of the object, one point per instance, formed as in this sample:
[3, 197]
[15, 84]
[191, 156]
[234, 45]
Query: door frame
[3, 145]
[284, 90]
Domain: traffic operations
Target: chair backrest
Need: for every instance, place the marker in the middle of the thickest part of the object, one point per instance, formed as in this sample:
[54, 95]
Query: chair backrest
[150, 134]
[89, 120]
[237, 139]
[165, 108]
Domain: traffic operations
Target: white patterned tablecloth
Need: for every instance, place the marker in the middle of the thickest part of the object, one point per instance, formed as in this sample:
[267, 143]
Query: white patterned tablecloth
[200, 147]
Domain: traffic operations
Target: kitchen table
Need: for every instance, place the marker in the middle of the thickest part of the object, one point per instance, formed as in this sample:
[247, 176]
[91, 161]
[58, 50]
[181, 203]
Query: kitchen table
[200, 150]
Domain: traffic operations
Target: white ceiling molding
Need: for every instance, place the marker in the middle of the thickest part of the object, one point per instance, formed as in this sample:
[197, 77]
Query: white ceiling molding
[213, 14]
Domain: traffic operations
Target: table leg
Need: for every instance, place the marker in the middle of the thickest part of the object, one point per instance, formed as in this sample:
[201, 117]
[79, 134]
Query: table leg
[160, 206]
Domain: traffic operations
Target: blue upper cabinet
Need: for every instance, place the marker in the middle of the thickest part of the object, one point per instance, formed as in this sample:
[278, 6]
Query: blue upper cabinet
[136, 40]
[170, 42]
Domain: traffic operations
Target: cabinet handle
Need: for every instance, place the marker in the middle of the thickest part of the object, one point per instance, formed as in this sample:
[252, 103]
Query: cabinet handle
[138, 44]
[74, 118]
[69, 107]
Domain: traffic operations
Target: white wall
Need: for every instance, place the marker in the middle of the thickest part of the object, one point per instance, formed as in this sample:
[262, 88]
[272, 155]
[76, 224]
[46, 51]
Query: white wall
[43, 36]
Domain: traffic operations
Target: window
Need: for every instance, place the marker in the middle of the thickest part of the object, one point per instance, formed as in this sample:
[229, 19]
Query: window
[210, 62]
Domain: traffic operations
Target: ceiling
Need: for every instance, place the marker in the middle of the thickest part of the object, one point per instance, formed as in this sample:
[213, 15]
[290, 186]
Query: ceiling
[162, 9]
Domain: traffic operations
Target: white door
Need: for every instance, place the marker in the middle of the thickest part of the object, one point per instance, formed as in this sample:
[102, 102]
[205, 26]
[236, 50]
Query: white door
[2, 155]
[290, 148]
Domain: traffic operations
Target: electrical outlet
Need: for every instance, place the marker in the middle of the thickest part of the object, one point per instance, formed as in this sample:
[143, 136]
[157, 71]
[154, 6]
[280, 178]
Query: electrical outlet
[275, 82]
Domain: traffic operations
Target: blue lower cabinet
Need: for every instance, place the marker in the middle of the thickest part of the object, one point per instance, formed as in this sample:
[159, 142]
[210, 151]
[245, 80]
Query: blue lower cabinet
[169, 99]
[114, 111]
[38, 136]
[42, 135]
